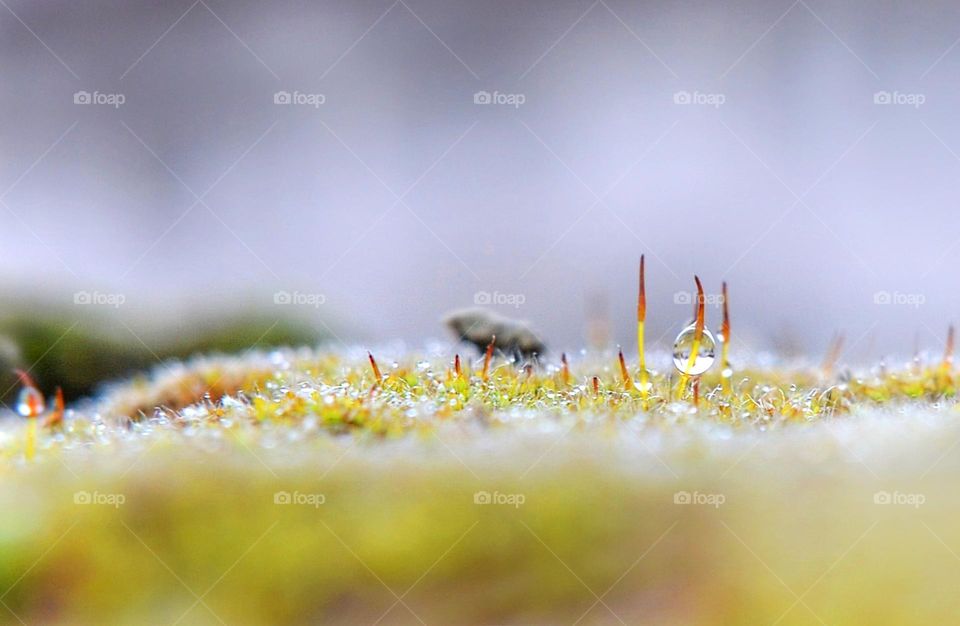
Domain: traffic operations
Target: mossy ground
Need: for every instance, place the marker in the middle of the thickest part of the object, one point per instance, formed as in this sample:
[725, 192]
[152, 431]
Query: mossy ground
[304, 490]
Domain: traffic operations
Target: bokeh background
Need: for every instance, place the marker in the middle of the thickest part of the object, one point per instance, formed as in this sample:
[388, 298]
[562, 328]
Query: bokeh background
[807, 152]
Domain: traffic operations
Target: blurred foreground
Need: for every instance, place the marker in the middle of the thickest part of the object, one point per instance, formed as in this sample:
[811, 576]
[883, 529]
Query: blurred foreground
[249, 525]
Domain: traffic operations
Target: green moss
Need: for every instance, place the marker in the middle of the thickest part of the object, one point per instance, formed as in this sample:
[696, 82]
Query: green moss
[304, 490]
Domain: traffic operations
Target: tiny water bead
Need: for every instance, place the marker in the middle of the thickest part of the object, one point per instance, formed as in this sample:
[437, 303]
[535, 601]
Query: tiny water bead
[30, 402]
[683, 346]
[645, 385]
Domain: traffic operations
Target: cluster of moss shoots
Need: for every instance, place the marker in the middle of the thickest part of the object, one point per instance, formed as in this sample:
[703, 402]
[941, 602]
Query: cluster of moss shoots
[338, 393]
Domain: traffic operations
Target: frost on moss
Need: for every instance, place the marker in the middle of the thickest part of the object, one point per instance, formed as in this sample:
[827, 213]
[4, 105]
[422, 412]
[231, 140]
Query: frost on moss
[422, 391]
[297, 486]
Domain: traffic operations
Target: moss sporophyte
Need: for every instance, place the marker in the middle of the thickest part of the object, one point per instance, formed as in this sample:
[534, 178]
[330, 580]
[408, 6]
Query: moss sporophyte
[408, 392]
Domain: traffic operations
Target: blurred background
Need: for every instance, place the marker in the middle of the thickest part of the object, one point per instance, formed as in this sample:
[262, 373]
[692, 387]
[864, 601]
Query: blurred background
[360, 168]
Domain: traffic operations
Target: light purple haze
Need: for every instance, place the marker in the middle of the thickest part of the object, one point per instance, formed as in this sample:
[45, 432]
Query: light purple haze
[553, 200]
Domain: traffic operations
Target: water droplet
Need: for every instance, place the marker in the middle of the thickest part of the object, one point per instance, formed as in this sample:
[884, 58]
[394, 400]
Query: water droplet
[229, 402]
[681, 408]
[683, 346]
[30, 402]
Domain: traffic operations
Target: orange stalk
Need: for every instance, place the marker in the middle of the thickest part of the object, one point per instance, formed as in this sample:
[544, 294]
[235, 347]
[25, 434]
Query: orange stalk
[641, 321]
[565, 370]
[725, 350]
[488, 357]
[627, 381]
[30, 402]
[56, 417]
[697, 336]
[30, 405]
[456, 366]
[596, 385]
[376, 370]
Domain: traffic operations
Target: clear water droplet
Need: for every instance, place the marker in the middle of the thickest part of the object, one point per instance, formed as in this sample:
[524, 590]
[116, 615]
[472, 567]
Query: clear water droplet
[229, 402]
[30, 402]
[683, 346]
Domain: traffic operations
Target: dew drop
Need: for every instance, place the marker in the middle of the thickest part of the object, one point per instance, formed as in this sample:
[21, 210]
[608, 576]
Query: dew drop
[229, 402]
[30, 402]
[683, 345]
[681, 408]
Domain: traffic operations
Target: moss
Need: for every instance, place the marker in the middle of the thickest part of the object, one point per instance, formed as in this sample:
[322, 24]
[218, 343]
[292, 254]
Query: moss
[305, 488]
